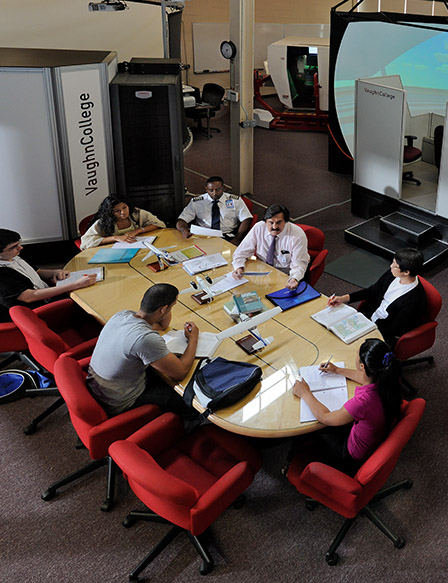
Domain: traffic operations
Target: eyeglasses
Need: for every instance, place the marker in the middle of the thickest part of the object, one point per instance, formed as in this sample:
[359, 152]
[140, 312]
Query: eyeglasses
[15, 246]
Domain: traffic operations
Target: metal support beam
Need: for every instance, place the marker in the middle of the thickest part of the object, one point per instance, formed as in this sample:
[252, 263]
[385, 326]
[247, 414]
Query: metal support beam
[242, 81]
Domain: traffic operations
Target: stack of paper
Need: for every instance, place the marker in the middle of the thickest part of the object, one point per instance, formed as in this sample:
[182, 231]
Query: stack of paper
[328, 388]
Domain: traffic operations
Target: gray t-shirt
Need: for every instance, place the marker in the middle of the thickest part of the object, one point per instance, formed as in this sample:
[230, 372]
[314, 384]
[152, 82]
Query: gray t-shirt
[125, 347]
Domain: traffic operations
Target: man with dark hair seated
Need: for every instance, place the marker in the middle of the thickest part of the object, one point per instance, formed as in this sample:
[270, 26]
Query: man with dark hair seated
[277, 242]
[130, 352]
[216, 209]
[21, 285]
[397, 301]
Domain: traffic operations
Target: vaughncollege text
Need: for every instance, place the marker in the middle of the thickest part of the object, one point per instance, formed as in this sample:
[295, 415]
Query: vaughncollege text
[88, 143]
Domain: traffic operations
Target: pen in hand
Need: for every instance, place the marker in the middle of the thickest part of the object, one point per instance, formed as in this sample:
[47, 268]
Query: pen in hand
[330, 299]
[326, 364]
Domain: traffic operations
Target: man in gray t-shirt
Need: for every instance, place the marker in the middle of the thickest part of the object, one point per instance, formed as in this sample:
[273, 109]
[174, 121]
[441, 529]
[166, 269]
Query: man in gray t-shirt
[130, 345]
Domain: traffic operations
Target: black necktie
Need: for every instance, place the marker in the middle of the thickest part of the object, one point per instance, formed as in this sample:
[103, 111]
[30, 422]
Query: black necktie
[271, 251]
[216, 223]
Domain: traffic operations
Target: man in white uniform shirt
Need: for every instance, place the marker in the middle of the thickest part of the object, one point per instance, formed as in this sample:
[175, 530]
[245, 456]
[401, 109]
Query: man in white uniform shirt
[277, 242]
[216, 209]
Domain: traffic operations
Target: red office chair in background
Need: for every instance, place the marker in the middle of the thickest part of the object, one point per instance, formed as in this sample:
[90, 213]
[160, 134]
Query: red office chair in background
[250, 205]
[352, 496]
[94, 427]
[57, 328]
[186, 480]
[421, 338]
[82, 227]
[316, 251]
[12, 343]
[411, 154]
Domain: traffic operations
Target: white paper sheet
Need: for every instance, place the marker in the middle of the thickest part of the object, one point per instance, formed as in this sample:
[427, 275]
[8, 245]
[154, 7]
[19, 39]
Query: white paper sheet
[139, 244]
[204, 232]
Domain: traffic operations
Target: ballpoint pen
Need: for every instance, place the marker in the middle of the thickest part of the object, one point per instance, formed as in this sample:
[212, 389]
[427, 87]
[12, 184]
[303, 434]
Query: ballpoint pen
[326, 364]
[330, 299]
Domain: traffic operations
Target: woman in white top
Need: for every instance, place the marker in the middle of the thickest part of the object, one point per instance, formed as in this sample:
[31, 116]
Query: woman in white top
[397, 301]
[118, 220]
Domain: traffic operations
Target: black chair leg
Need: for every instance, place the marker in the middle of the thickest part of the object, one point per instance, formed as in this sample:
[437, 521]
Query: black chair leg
[207, 561]
[91, 467]
[384, 492]
[170, 536]
[110, 496]
[373, 517]
[32, 427]
[331, 556]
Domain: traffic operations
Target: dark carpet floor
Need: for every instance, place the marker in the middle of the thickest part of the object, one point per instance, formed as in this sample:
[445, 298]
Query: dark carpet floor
[273, 537]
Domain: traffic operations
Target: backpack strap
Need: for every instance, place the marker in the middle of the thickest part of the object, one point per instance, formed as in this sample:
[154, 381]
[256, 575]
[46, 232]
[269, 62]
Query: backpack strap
[188, 395]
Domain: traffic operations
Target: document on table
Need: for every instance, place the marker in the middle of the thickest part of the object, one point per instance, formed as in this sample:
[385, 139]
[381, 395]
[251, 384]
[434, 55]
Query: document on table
[204, 232]
[328, 388]
[75, 275]
[204, 263]
[227, 283]
[176, 342]
[139, 244]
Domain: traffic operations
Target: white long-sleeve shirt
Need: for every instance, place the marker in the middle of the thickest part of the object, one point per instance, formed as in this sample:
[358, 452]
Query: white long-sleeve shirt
[291, 254]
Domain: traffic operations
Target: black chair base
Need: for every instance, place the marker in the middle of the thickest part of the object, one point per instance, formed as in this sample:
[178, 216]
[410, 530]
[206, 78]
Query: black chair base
[409, 390]
[408, 176]
[32, 427]
[331, 555]
[107, 505]
[136, 515]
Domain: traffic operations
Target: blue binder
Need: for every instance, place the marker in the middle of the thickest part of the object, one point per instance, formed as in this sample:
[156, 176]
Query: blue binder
[286, 298]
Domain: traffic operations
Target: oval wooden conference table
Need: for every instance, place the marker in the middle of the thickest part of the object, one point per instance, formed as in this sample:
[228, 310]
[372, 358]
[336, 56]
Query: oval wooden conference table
[271, 409]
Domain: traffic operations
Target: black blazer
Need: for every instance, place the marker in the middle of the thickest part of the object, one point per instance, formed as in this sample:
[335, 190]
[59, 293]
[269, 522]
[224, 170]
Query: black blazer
[404, 314]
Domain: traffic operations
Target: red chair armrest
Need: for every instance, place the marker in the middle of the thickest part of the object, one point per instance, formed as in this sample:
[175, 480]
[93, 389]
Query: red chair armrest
[159, 435]
[416, 341]
[56, 312]
[328, 481]
[319, 259]
[121, 426]
[81, 351]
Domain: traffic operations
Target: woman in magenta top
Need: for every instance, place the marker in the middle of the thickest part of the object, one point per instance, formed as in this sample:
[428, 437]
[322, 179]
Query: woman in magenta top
[359, 426]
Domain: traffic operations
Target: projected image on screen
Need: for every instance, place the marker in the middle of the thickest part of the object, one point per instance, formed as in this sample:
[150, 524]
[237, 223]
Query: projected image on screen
[418, 54]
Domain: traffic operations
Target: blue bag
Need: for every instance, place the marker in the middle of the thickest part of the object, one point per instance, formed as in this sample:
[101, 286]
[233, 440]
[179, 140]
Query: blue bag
[219, 383]
[14, 384]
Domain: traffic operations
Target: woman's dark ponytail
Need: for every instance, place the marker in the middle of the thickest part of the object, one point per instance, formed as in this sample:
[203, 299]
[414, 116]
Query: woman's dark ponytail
[384, 369]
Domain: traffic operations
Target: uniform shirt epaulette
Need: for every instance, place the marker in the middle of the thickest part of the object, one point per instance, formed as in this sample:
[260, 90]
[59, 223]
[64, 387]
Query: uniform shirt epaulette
[234, 196]
[196, 198]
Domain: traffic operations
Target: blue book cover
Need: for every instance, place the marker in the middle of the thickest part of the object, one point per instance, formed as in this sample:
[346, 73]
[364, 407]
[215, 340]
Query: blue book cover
[113, 256]
[248, 303]
[286, 298]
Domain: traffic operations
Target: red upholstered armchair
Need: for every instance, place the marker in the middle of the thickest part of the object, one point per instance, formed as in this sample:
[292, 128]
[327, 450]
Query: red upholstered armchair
[94, 428]
[316, 251]
[186, 480]
[352, 496]
[82, 227]
[57, 328]
[250, 206]
[423, 337]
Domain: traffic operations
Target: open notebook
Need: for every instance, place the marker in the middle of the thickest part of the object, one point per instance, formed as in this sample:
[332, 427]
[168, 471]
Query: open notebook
[328, 388]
